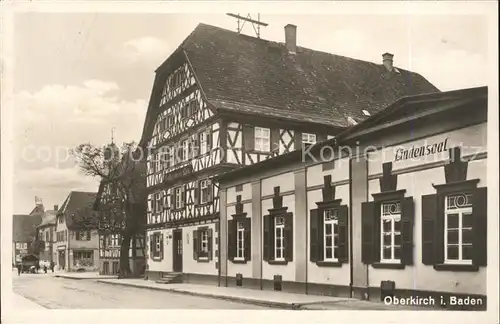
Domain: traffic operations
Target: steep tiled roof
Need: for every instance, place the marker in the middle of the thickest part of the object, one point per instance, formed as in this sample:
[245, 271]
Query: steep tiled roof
[75, 202]
[241, 73]
[24, 227]
[235, 68]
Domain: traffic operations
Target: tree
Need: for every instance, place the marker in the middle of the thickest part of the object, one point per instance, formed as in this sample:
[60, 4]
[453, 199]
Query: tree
[36, 246]
[123, 209]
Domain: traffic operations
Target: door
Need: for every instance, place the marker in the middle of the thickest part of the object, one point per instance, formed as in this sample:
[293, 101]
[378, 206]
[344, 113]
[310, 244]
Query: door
[177, 250]
[62, 259]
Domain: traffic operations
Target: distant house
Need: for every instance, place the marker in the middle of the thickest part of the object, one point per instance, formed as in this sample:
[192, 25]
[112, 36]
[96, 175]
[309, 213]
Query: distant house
[77, 241]
[46, 233]
[24, 232]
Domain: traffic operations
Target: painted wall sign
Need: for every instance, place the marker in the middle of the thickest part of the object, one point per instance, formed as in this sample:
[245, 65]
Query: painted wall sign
[420, 151]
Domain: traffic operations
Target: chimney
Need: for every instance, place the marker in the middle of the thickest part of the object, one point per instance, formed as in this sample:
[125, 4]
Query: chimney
[56, 207]
[387, 61]
[291, 38]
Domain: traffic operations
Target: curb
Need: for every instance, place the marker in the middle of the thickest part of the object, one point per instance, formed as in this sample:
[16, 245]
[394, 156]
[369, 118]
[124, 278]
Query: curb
[249, 301]
[81, 278]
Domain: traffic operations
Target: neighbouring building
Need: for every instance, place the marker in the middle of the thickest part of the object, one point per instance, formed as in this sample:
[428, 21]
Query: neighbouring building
[77, 244]
[393, 206]
[24, 231]
[113, 198]
[46, 233]
[224, 100]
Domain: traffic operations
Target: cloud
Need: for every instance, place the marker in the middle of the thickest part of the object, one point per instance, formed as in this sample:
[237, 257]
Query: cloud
[55, 119]
[145, 49]
[51, 177]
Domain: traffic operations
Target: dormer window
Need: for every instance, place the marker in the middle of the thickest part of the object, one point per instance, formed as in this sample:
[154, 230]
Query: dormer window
[351, 121]
[176, 79]
[366, 112]
[308, 139]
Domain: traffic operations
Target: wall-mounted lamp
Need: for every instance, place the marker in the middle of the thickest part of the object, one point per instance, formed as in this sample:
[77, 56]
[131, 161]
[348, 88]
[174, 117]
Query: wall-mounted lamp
[169, 236]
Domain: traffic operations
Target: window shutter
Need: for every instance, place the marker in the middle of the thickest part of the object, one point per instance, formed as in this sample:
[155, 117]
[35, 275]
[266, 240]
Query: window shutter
[196, 145]
[195, 245]
[288, 237]
[197, 192]
[298, 140]
[313, 234]
[429, 216]
[210, 243]
[151, 245]
[183, 189]
[407, 217]
[343, 249]
[190, 148]
[479, 227]
[268, 237]
[161, 246]
[248, 238]
[248, 137]
[231, 239]
[209, 139]
[321, 235]
[368, 232]
[275, 139]
[439, 231]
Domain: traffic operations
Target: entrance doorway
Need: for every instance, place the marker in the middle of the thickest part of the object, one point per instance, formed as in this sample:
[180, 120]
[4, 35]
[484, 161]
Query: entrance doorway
[177, 250]
[62, 259]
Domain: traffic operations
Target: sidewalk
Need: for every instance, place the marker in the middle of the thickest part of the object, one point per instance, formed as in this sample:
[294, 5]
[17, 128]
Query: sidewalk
[22, 303]
[257, 297]
[82, 275]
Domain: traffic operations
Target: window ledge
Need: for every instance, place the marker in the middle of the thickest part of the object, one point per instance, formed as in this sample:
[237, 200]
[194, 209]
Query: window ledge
[203, 260]
[157, 259]
[456, 267]
[333, 264]
[235, 261]
[382, 265]
[275, 262]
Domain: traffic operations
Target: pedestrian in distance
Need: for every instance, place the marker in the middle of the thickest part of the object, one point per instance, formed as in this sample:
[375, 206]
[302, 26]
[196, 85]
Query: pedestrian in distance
[52, 265]
[18, 269]
[45, 268]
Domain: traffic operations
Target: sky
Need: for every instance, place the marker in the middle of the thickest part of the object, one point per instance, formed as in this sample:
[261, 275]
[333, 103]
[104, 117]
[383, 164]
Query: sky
[79, 75]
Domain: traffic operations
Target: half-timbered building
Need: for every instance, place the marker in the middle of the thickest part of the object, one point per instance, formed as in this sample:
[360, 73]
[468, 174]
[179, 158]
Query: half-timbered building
[122, 194]
[393, 206]
[224, 100]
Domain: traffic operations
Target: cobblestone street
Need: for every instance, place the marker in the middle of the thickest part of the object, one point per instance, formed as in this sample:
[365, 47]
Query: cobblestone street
[60, 293]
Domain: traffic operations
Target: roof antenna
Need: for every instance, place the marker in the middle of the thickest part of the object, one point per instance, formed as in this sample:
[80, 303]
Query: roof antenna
[255, 23]
[112, 137]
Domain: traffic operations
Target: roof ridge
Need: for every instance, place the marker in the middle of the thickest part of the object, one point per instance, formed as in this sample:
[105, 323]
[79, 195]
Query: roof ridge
[283, 44]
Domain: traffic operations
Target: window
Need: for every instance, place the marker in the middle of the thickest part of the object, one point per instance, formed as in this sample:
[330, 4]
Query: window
[279, 238]
[387, 230]
[179, 199]
[390, 232]
[158, 202]
[83, 258]
[331, 230]
[206, 191]
[156, 246]
[115, 240]
[458, 229]
[47, 237]
[204, 243]
[82, 235]
[240, 241]
[176, 79]
[308, 139]
[194, 106]
[262, 139]
[185, 150]
[203, 143]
